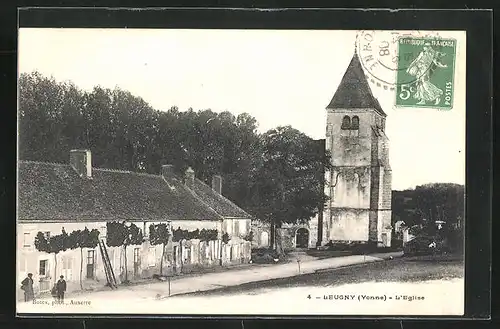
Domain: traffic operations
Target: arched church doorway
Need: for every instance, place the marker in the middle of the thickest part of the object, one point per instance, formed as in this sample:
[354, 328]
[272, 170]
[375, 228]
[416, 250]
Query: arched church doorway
[264, 239]
[302, 238]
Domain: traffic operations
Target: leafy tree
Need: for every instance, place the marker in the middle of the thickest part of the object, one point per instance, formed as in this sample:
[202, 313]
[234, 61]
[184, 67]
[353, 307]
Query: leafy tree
[83, 239]
[124, 132]
[180, 234]
[287, 187]
[122, 234]
[53, 244]
[159, 234]
[42, 243]
[421, 207]
[249, 236]
[226, 238]
[194, 234]
[208, 235]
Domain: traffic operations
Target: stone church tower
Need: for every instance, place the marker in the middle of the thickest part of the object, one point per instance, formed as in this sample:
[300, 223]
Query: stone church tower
[359, 184]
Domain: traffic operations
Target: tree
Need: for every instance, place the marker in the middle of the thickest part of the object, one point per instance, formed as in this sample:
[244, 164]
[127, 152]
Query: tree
[288, 185]
[83, 239]
[208, 235]
[226, 238]
[249, 237]
[123, 234]
[53, 244]
[159, 234]
[125, 132]
[422, 207]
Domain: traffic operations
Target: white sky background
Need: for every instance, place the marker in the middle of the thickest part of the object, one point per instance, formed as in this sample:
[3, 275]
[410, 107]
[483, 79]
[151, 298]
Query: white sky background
[279, 77]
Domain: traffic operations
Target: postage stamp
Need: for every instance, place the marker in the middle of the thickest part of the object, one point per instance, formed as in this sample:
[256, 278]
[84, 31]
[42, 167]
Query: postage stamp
[425, 71]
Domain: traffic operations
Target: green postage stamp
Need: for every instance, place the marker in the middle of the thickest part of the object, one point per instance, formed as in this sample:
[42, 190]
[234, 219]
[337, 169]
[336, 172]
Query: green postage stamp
[426, 67]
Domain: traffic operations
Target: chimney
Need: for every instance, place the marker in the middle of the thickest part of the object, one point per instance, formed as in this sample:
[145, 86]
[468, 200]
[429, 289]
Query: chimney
[81, 161]
[189, 178]
[167, 170]
[217, 184]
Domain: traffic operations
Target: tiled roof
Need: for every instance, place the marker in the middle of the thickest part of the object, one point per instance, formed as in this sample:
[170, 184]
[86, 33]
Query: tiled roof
[218, 202]
[49, 191]
[354, 91]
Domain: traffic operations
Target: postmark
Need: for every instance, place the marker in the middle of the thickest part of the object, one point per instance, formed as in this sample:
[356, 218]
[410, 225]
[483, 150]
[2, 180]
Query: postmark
[426, 78]
[379, 55]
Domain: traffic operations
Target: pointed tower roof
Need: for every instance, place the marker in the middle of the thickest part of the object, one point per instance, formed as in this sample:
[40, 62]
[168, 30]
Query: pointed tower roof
[354, 91]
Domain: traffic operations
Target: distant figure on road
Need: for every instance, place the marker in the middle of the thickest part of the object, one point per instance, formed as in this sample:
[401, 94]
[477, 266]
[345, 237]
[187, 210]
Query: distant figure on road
[61, 288]
[27, 286]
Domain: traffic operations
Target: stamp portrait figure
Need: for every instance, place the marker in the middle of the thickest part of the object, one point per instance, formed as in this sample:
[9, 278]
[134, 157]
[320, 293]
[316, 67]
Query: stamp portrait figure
[422, 68]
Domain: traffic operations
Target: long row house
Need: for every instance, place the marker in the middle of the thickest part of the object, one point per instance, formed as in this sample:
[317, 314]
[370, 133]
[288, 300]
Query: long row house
[53, 197]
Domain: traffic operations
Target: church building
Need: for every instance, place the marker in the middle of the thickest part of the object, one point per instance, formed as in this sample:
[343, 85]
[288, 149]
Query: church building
[359, 183]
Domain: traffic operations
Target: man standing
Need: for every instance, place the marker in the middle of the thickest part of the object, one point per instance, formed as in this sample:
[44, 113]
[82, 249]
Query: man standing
[27, 286]
[61, 288]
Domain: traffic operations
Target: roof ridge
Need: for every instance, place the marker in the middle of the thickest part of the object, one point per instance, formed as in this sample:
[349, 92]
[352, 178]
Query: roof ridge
[43, 162]
[113, 170]
[93, 168]
[202, 201]
[221, 196]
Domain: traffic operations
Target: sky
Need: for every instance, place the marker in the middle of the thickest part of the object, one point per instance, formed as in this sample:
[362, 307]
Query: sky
[281, 77]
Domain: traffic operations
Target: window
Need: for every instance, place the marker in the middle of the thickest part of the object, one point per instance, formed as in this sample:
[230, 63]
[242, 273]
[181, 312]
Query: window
[136, 256]
[90, 257]
[152, 257]
[26, 240]
[229, 226]
[346, 123]
[67, 267]
[243, 227]
[355, 123]
[90, 264]
[42, 271]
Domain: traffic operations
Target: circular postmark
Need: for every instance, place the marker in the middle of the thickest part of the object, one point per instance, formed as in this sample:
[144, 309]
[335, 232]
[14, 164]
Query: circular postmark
[379, 56]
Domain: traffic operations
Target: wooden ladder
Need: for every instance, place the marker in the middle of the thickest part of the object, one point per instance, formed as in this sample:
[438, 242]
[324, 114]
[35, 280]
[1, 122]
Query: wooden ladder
[108, 269]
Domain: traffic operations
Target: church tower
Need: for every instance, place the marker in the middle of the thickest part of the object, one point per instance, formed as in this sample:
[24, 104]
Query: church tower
[359, 183]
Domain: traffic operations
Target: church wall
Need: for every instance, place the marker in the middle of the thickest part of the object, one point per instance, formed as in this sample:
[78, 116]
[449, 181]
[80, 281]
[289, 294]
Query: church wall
[387, 190]
[349, 147]
[366, 119]
[262, 234]
[373, 226]
[352, 188]
[384, 227]
[349, 225]
[313, 232]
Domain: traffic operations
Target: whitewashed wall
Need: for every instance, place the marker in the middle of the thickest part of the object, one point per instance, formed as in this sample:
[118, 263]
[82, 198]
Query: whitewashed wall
[179, 257]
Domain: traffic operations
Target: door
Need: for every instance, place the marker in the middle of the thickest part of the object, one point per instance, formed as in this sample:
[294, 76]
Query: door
[264, 239]
[302, 238]
[90, 264]
[384, 239]
[137, 261]
[43, 274]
